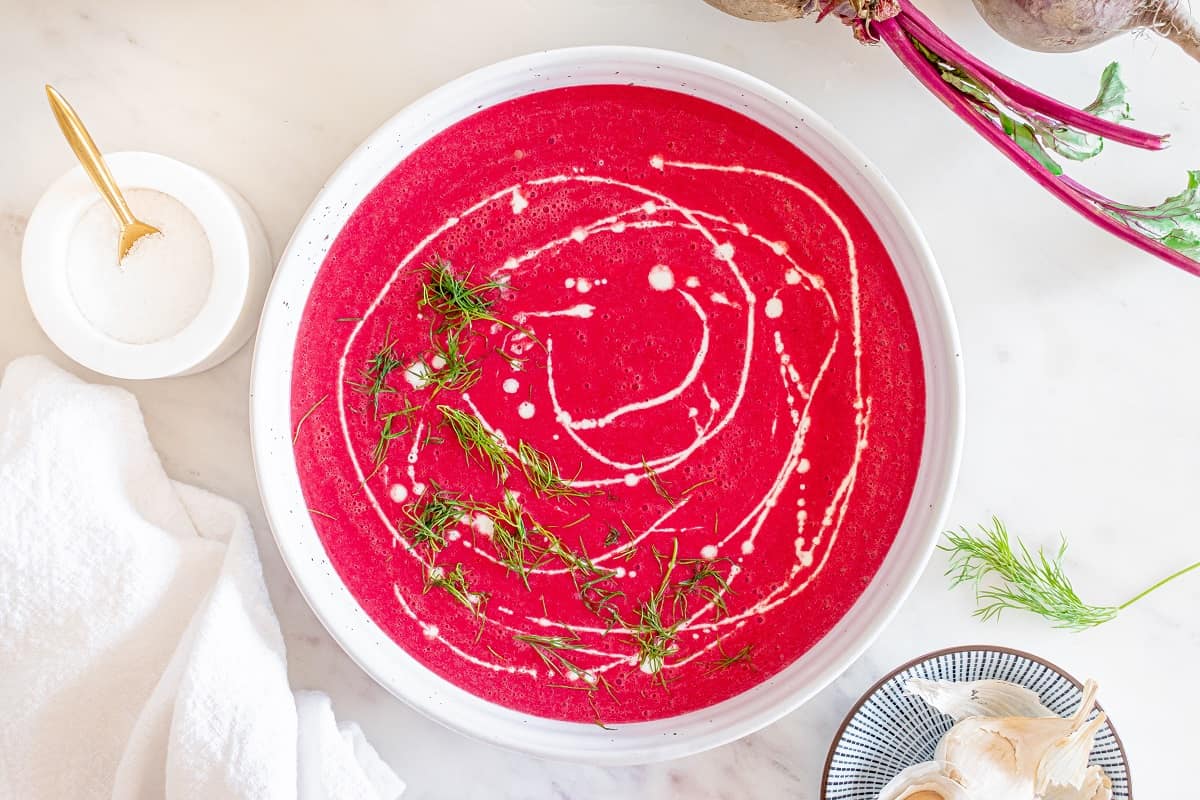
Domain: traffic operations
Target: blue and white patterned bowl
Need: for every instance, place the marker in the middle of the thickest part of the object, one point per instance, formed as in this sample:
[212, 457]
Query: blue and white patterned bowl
[888, 730]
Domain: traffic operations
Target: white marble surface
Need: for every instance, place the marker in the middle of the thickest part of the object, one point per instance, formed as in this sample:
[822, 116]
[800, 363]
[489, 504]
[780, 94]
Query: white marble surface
[1082, 354]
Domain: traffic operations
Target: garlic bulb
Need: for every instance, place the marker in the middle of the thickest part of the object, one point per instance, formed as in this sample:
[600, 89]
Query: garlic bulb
[1005, 745]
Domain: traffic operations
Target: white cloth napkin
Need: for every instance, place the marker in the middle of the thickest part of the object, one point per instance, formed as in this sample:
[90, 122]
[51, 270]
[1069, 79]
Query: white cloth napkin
[139, 653]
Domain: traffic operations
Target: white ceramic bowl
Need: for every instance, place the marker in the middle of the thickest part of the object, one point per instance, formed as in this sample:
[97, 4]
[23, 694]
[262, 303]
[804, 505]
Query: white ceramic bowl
[305, 556]
[241, 270]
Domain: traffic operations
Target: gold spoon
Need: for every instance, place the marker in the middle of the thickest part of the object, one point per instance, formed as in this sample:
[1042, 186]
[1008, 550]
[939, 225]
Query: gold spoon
[93, 164]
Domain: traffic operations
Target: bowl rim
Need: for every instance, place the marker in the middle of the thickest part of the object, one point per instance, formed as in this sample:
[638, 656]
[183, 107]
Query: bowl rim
[692, 732]
[945, 651]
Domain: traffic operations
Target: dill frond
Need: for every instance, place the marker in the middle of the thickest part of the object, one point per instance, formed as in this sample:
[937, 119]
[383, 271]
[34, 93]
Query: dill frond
[1011, 577]
[551, 650]
[307, 414]
[380, 366]
[457, 373]
[476, 441]
[511, 529]
[1008, 577]
[728, 661]
[653, 636]
[454, 582]
[656, 482]
[706, 582]
[543, 474]
[432, 516]
[389, 432]
[456, 299]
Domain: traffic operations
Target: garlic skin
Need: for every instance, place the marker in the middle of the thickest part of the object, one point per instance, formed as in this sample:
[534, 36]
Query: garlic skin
[927, 781]
[994, 753]
[978, 698]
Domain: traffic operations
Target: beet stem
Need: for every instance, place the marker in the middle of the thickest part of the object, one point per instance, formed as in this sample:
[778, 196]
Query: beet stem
[898, 40]
[1020, 97]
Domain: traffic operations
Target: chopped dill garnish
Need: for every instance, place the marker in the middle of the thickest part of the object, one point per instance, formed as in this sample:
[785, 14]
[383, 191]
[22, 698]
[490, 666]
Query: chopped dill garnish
[613, 536]
[595, 684]
[696, 486]
[389, 432]
[476, 441]
[431, 439]
[511, 529]
[456, 299]
[348, 319]
[551, 649]
[727, 661]
[543, 474]
[307, 414]
[656, 482]
[513, 361]
[491, 650]
[600, 599]
[575, 562]
[706, 581]
[652, 635]
[454, 583]
[322, 514]
[431, 516]
[575, 522]
[375, 375]
[457, 373]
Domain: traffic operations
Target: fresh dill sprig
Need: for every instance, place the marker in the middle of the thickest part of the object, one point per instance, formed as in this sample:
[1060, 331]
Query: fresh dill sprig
[322, 514]
[727, 661]
[382, 364]
[307, 414]
[457, 373]
[456, 299]
[656, 482]
[1008, 577]
[543, 474]
[454, 583]
[551, 650]
[476, 441]
[432, 516]
[706, 581]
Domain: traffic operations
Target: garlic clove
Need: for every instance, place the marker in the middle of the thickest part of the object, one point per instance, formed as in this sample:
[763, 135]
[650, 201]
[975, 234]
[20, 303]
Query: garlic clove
[1065, 761]
[988, 698]
[1096, 786]
[925, 781]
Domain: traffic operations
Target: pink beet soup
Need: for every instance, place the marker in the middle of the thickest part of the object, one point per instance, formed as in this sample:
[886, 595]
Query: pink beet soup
[608, 403]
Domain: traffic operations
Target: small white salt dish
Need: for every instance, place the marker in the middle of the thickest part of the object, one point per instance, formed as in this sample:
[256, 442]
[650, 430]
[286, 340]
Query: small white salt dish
[241, 270]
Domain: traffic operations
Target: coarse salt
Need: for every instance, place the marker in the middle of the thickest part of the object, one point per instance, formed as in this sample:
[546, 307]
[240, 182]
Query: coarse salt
[160, 286]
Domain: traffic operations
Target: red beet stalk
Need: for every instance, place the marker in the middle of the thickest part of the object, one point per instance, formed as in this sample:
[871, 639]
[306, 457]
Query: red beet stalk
[992, 103]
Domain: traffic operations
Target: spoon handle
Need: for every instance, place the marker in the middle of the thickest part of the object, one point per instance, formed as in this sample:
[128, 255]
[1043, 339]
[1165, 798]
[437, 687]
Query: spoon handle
[89, 155]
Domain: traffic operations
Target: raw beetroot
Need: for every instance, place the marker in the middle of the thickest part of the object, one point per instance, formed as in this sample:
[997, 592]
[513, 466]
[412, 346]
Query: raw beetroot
[1062, 26]
[1033, 130]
